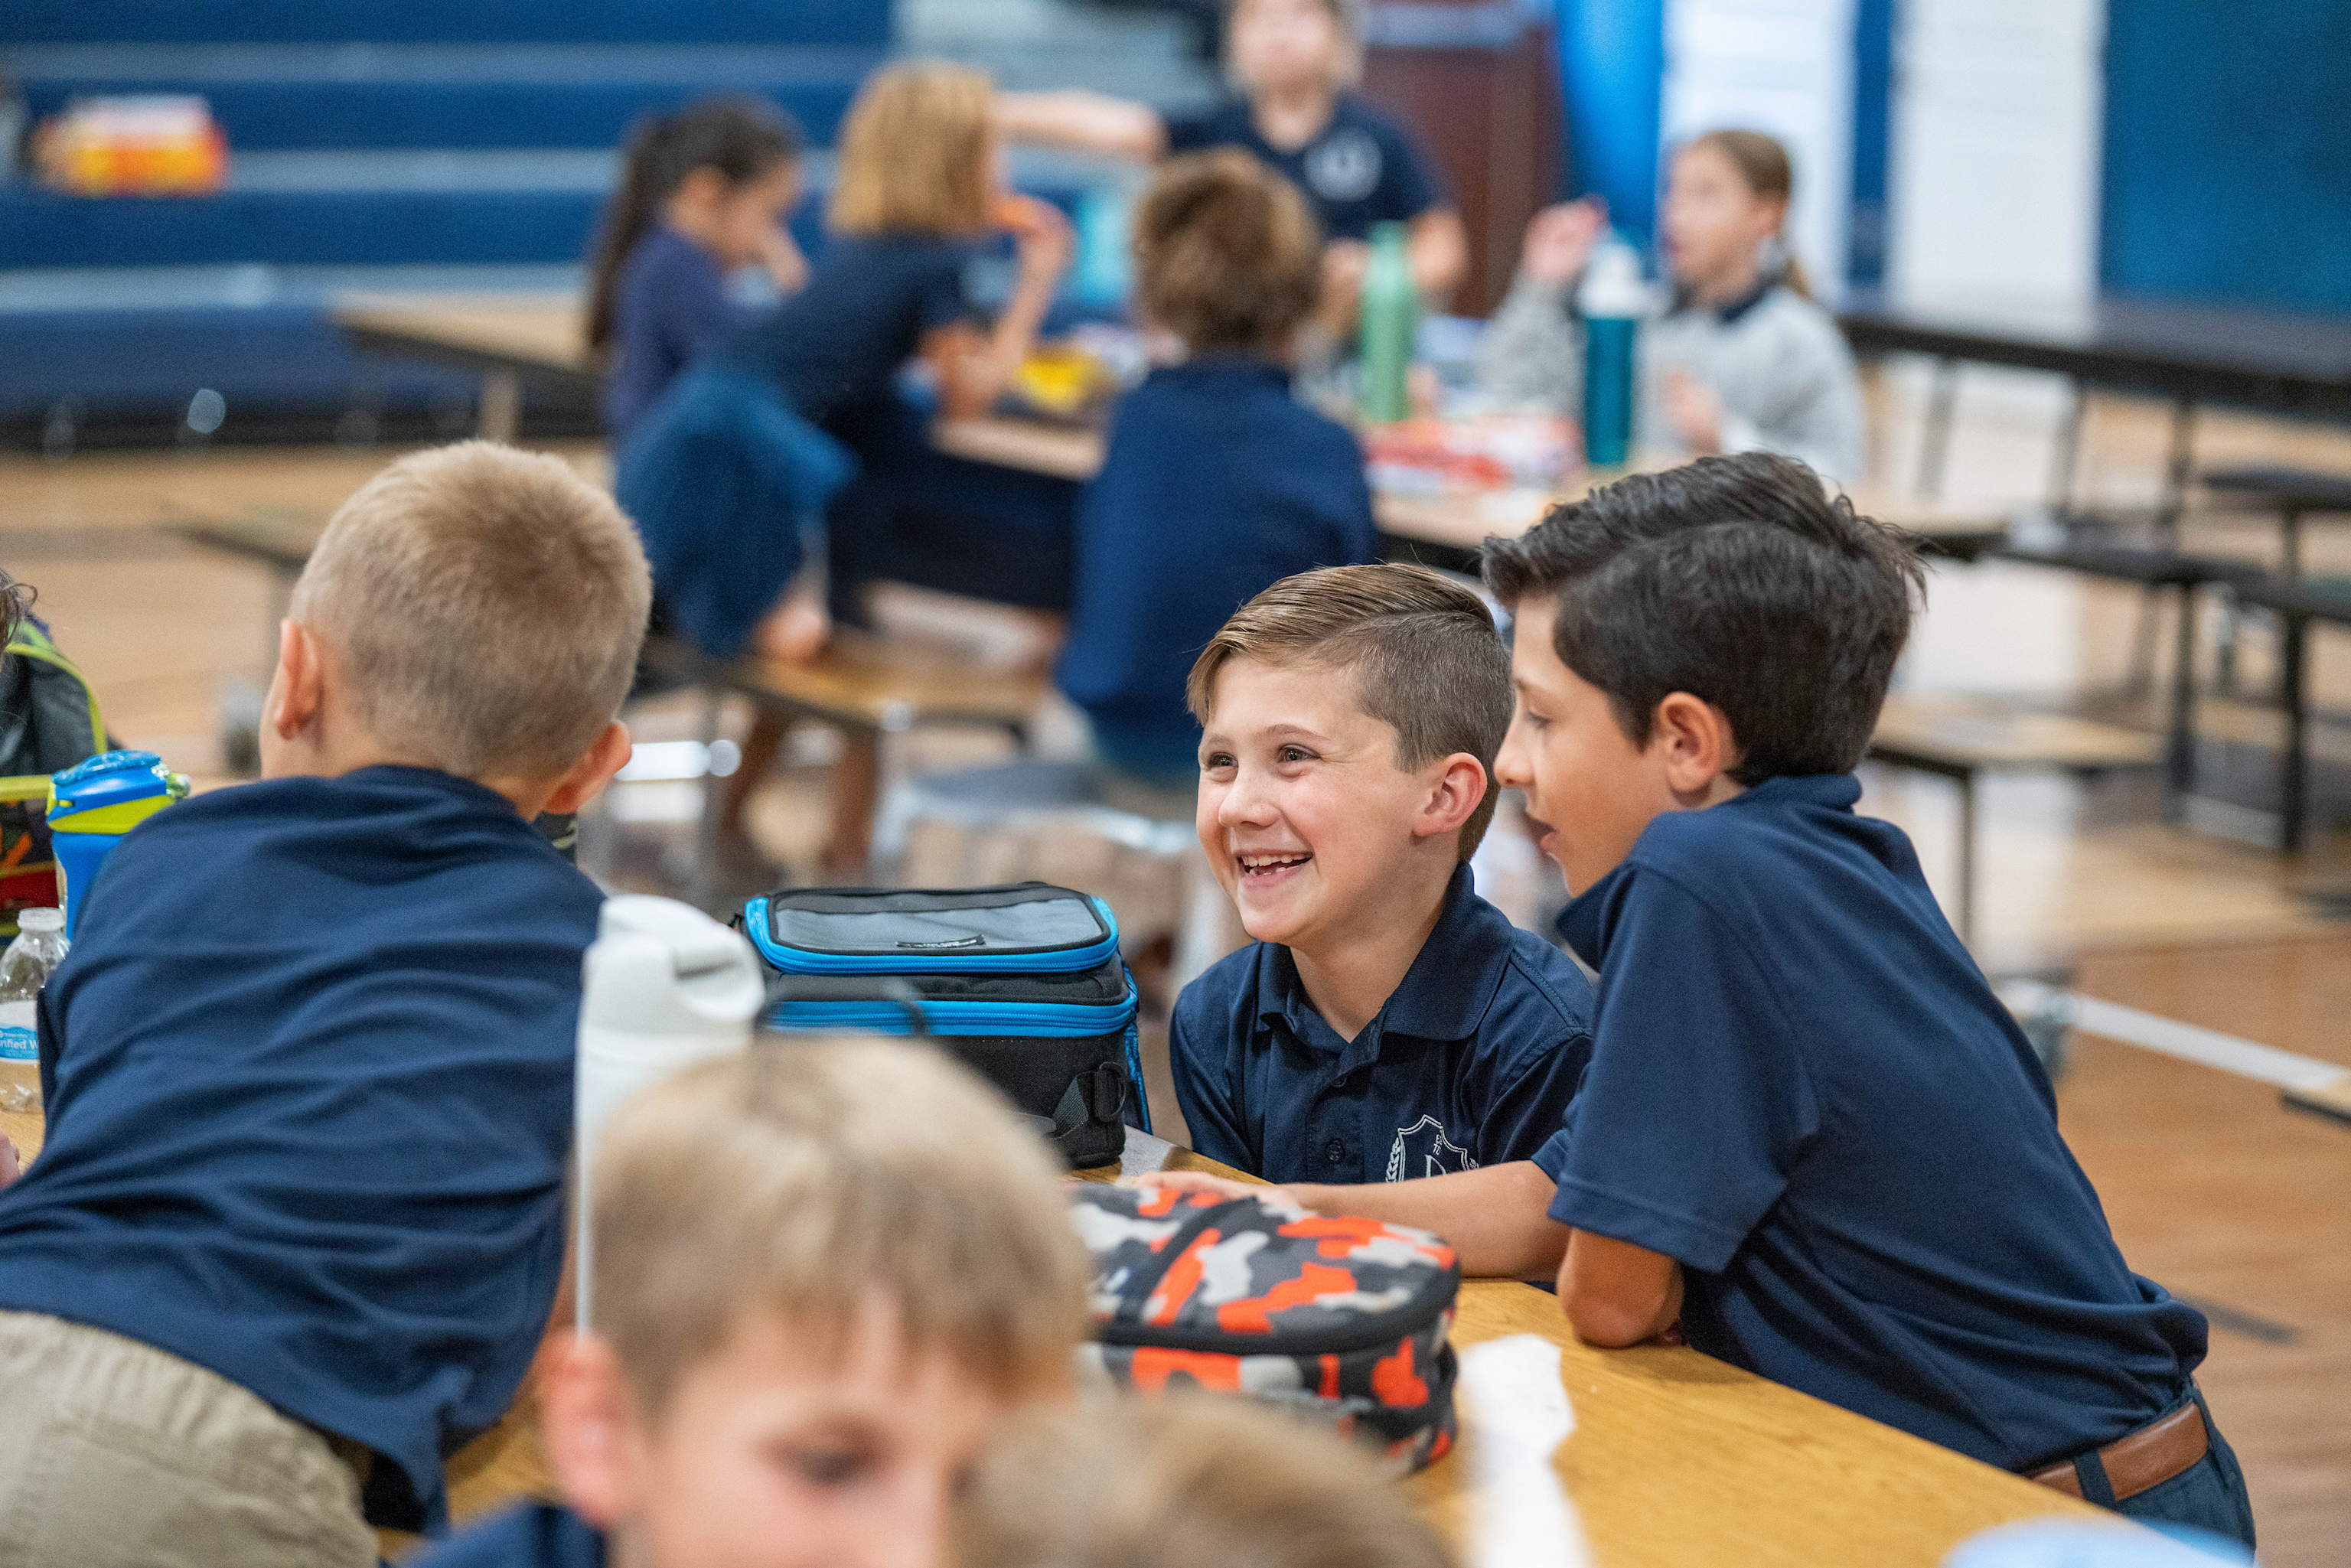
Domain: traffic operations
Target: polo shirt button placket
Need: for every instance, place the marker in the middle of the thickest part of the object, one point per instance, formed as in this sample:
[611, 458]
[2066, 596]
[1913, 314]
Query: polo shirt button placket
[1335, 1152]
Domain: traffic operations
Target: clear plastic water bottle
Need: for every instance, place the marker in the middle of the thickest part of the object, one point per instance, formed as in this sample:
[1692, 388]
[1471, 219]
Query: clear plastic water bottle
[24, 968]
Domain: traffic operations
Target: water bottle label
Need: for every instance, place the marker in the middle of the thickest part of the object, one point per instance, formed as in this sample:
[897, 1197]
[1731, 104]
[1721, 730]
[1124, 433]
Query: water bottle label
[18, 1039]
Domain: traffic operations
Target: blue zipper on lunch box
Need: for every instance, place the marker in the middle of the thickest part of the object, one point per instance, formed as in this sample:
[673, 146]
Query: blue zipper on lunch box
[1045, 1020]
[928, 960]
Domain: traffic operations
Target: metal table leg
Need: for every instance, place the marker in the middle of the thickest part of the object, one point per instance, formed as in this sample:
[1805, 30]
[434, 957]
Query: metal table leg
[2292, 794]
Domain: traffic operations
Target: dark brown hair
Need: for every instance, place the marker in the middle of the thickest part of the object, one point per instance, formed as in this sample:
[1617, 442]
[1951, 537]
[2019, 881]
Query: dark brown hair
[1226, 253]
[741, 137]
[1420, 648]
[1763, 167]
[1738, 580]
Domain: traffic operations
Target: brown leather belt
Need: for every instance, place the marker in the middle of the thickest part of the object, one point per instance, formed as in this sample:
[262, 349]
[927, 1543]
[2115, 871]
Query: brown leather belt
[2138, 1460]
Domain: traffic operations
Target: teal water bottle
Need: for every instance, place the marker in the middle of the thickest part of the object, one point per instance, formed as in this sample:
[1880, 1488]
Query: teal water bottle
[1613, 300]
[1391, 316]
[92, 804]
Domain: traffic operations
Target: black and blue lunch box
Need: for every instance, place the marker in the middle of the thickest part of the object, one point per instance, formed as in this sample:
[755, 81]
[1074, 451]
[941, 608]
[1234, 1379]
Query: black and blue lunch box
[1024, 983]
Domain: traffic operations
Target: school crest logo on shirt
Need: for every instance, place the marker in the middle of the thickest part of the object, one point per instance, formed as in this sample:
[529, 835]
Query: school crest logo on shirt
[1344, 166]
[1424, 1150]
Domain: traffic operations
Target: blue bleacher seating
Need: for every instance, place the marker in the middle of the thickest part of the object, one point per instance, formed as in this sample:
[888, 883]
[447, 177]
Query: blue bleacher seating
[363, 133]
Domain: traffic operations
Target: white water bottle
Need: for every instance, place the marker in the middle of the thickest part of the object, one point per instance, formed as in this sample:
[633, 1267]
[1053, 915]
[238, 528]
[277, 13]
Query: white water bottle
[664, 986]
[24, 968]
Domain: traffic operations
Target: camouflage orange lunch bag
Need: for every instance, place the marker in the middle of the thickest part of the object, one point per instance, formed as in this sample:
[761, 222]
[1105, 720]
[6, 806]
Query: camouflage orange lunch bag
[1342, 1319]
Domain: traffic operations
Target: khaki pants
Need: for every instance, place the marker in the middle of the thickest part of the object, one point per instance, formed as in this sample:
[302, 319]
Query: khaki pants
[112, 1452]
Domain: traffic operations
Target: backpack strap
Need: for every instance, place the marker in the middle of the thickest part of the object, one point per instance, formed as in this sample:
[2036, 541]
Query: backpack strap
[1094, 1096]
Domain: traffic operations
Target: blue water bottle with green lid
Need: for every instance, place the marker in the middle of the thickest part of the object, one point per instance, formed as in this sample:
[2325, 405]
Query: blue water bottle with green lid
[92, 804]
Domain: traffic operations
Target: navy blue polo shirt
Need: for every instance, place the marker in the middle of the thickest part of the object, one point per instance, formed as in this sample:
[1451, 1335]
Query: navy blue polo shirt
[670, 304]
[1472, 1061]
[1803, 1090]
[529, 1535]
[313, 1103]
[1214, 486]
[1361, 167]
[836, 346]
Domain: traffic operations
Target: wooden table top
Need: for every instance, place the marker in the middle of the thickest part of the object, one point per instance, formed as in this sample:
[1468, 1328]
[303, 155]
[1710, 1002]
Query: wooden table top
[525, 332]
[1968, 732]
[540, 333]
[1677, 1458]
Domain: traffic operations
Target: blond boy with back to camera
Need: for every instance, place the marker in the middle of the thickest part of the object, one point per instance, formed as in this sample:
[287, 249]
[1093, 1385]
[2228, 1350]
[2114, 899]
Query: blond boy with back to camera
[297, 1226]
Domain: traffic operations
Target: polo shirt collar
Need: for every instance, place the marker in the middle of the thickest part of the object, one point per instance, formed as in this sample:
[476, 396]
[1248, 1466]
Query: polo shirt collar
[1445, 995]
[1228, 365]
[1584, 923]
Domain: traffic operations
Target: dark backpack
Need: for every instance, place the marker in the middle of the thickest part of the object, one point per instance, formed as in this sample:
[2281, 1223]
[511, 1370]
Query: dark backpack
[1342, 1319]
[48, 721]
[1023, 982]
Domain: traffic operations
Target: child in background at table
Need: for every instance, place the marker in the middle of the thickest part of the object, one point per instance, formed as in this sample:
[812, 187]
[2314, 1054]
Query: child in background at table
[1811, 1133]
[1744, 360]
[1295, 63]
[1216, 484]
[1186, 1480]
[704, 191]
[746, 450]
[823, 1272]
[297, 1229]
[1387, 1023]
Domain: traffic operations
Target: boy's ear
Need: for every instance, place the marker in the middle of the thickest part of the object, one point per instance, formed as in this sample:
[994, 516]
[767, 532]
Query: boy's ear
[1458, 787]
[299, 688]
[585, 778]
[587, 1421]
[1694, 739]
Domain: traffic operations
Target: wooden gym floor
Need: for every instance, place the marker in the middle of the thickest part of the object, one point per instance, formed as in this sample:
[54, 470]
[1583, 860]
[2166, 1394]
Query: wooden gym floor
[2213, 1189]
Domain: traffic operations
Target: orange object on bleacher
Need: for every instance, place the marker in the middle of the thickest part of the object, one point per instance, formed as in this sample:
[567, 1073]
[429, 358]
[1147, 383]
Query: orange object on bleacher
[159, 145]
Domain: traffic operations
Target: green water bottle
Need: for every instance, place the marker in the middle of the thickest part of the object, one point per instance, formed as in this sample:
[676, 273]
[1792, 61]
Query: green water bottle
[1390, 314]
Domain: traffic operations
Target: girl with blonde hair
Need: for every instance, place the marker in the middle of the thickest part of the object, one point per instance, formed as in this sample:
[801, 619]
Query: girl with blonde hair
[730, 475]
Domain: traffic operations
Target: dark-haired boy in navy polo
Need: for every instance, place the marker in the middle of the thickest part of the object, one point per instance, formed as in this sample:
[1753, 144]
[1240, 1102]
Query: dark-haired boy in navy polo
[1388, 1024]
[1811, 1133]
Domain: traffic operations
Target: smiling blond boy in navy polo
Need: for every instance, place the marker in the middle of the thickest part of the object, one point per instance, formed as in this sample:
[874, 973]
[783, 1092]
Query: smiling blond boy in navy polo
[1387, 1023]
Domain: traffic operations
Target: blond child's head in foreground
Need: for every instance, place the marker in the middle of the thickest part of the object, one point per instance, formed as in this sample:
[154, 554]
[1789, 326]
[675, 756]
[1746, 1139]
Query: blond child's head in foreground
[473, 608]
[1350, 718]
[1681, 637]
[1186, 1481]
[822, 1271]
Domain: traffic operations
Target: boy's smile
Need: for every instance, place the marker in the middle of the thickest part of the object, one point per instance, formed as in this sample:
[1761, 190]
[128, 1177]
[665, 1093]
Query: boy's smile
[1303, 812]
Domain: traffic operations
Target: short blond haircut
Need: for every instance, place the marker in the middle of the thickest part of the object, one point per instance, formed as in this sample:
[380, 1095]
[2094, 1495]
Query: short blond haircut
[1226, 252]
[1420, 650]
[915, 154]
[486, 605]
[807, 1178]
[1186, 1480]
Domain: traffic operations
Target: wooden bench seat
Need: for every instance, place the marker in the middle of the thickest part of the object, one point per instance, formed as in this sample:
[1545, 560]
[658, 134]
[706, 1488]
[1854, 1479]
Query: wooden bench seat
[868, 684]
[1960, 738]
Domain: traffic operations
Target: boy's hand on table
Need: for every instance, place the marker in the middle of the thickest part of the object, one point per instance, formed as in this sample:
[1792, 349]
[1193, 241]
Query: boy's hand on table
[1217, 1187]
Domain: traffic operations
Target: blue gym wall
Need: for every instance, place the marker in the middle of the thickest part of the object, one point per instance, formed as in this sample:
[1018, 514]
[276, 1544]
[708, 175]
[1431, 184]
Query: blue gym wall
[1612, 62]
[2228, 152]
